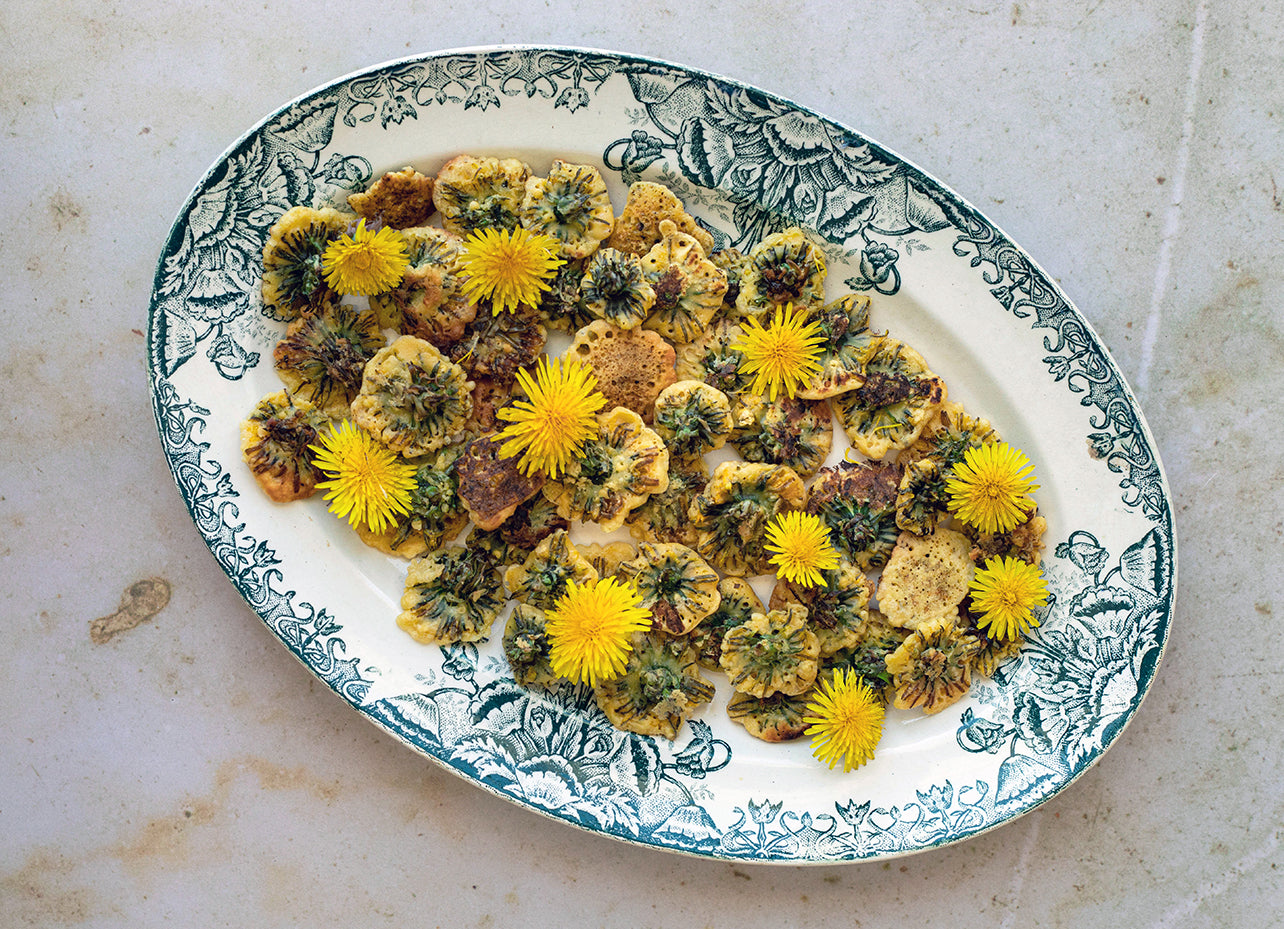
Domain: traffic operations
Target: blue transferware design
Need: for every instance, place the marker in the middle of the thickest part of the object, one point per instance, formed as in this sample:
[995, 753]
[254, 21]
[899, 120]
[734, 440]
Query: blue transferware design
[748, 163]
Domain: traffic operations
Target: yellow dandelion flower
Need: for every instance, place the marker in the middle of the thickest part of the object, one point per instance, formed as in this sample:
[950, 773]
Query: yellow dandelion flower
[590, 629]
[799, 543]
[368, 484]
[783, 355]
[990, 488]
[1005, 594]
[551, 427]
[510, 269]
[365, 262]
[845, 721]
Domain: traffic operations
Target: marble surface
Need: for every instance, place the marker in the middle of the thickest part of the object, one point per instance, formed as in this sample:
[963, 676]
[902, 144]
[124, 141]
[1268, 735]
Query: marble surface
[165, 761]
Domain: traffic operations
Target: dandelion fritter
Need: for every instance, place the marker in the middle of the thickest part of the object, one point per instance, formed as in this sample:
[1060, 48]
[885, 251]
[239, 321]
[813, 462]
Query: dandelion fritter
[686, 400]
[492, 486]
[675, 584]
[662, 517]
[932, 668]
[435, 514]
[773, 653]
[688, 286]
[736, 606]
[714, 358]
[649, 204]
[785, 267]
[473, 193]
[836, 609]
[660, 688]
[844, 326]
[323, 356]
[571, 205]
[615, 288]
[293, 280]
[693, 418]
[275, 442]
[429, 302]
[797, 433]
[541, 580]
[526, 647]
[412, 399]
[632, 366]
[617, 470]
[896, 398]
[497, 345]
[857, 501]
[733, 511]
[926, 578]
[399, 199]
[777, 718]
[452, 595]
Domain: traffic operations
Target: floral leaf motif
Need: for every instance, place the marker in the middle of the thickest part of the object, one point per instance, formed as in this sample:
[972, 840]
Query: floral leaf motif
[764, 812]
[852, 814]
[489, 756]
[482, 96]
[572, 98]
[394, 110]
[460, 661]
[1023, 779]
[980, 735]
[499, 709]
[548, 783]
[612, 809]
[1085, 551]
[415, 717]
[210, 267]
[174, 334]
[689, 827]
[1028, 717]
[351, 172]
[310, 123]
[529, 74]
[1147, 564]
[937, 798]
[231, 360]
[972, 814]
[642, 764]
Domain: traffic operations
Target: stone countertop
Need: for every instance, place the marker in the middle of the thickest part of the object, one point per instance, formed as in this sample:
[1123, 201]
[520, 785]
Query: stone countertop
[166, 761]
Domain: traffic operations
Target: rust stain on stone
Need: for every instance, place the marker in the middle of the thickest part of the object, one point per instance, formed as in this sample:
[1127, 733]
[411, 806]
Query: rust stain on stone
[172, 838]
[141, 601]
[47, 889]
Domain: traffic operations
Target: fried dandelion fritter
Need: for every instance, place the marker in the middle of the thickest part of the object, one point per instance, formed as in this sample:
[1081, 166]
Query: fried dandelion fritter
[275, 441]
[655, 312]
[323, 356]
[452, 595]
[660, 688]
[615, 473]
[733, 511]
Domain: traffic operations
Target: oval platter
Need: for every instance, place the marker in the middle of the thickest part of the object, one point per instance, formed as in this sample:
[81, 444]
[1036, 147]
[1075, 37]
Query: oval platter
[942, 277]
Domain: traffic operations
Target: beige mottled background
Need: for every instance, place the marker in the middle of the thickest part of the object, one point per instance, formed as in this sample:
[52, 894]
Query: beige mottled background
[165, 761]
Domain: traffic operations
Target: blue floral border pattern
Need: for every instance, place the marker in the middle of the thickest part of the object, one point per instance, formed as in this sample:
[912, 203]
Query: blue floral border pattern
[771, 165]
[311, 634]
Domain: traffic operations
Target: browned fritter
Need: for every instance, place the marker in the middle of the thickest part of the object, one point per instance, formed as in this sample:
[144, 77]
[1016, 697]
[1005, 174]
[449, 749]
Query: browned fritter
[632, 366]
[857, 501]
[400, 199]
[491, 487]
[496, 345]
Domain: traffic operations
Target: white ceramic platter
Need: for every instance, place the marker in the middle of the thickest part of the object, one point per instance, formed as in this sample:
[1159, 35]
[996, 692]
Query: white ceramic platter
[943, 278]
